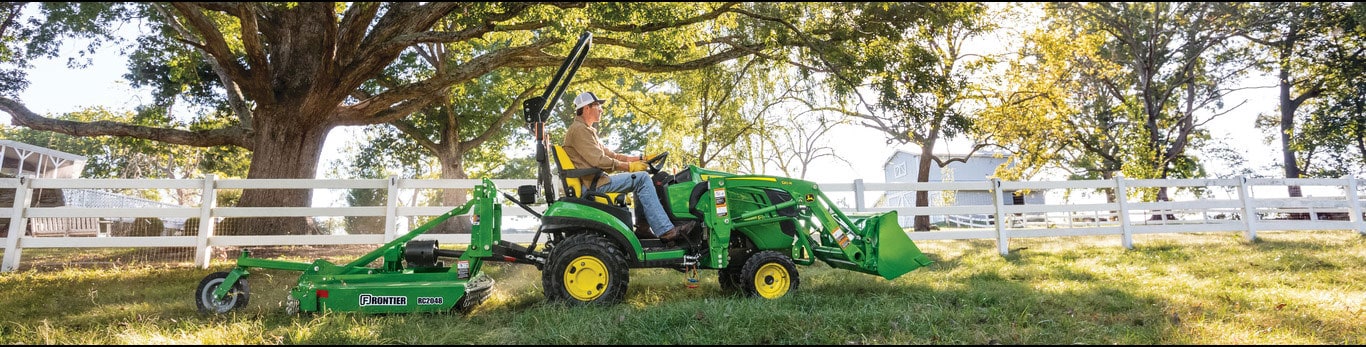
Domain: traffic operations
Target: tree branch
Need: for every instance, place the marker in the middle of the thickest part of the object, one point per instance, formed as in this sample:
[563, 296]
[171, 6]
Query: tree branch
[22, 116]
[251, 38]
[236, 97]
[423, 92]
[807, 41]
[602, 63]
[964, 159]
[351, 30]
[215, 46]
[520, 26]
[407, 128]
[643, 28]
[14, 8]
[498, 124]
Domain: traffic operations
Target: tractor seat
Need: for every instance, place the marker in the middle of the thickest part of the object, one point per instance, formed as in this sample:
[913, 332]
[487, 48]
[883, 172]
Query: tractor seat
[573, 185]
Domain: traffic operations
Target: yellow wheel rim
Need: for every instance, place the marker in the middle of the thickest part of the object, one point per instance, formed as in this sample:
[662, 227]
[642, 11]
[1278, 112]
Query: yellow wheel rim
[586, 278]
[772, 281]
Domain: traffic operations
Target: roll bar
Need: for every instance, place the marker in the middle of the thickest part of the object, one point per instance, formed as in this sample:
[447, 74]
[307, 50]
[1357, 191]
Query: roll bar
[536, 110]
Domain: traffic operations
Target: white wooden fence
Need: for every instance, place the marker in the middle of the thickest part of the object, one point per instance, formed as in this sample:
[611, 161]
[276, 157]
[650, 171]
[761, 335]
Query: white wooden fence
[1242, 211]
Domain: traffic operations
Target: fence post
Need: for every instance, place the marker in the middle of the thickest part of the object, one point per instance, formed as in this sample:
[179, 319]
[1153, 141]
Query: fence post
[208, 197]
[391, 210]
[1249, 211]
[1122, 197]
[858, 195]
[1002, 240]
[1354, 203]
[17, 224]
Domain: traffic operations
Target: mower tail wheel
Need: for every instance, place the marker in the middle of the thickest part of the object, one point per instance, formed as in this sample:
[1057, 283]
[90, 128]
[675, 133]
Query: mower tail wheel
[769, 275]
[236, 298]
[476, 291]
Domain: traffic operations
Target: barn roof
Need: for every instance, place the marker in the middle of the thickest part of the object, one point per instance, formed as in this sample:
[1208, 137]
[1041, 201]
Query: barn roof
[978, 154]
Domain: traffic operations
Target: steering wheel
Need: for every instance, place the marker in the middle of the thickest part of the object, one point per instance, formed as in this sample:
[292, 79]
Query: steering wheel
[655, 164]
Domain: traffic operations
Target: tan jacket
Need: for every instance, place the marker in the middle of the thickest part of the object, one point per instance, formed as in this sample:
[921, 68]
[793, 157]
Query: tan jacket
[584, 150]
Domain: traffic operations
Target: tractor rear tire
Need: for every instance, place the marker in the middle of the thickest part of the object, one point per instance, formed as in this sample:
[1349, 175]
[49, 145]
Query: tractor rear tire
[586, 268]
[769, 275]
[236, 298]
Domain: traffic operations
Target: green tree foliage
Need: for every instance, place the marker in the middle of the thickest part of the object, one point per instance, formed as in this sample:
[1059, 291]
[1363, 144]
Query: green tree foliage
[23, 40]
[1032, 109]
[1315, 51]
[1175, 64]
[290, 72]
[1309, 47]
[1052, 106]
[911, 57]
[794, 134]
[716, 106]
[694, 110]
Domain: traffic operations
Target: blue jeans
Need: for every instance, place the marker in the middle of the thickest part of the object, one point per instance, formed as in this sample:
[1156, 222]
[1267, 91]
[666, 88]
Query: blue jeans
[639, 182]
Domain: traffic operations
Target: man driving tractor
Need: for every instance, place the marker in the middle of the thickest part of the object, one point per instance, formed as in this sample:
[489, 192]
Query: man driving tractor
[584, 149]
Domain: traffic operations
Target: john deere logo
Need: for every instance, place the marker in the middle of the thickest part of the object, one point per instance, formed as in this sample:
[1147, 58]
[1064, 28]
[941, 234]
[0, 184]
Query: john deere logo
[810, 197]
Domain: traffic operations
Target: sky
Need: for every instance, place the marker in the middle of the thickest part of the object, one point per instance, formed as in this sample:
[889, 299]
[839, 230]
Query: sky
[56, 89]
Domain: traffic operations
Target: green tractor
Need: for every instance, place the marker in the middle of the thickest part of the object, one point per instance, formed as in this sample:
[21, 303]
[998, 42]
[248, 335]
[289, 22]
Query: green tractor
[753, 229]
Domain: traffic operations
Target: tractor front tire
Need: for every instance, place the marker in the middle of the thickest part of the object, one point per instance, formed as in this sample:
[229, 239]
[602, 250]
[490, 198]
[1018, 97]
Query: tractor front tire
[236, 298]
[586, 268]
[769, 275]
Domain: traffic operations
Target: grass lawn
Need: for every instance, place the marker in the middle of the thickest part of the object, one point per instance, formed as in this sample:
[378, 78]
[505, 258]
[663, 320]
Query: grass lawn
[1209, 288]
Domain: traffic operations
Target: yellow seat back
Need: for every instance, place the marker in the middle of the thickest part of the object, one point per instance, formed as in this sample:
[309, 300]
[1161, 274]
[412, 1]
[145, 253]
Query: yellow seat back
[573, 186]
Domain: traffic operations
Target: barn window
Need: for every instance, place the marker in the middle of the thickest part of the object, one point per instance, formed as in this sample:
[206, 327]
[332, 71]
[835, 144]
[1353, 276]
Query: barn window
[1012, 198]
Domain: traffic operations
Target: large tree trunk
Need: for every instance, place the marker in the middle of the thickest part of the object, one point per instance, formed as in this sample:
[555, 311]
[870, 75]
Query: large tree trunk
[453, 167]
[1292, 166]
[285, 146]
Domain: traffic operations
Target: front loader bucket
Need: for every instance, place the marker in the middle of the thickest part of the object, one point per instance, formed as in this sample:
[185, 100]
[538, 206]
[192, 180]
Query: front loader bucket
[893, 253]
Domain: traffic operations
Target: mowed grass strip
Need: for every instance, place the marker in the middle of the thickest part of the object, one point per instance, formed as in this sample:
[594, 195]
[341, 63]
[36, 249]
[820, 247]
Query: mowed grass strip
[1208, 288]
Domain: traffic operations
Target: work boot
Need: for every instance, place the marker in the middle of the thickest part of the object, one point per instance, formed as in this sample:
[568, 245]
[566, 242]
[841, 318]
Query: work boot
[678, 231]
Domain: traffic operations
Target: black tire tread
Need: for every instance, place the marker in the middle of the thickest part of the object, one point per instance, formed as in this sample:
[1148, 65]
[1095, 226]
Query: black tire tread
[241, 289]
[552, 278]
[752, 265]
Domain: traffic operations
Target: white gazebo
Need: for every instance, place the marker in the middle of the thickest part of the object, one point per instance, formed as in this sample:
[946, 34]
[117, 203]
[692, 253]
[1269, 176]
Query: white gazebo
[18, 159]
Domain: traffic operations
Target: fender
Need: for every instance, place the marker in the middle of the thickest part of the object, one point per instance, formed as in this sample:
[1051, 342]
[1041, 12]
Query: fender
[577, 214]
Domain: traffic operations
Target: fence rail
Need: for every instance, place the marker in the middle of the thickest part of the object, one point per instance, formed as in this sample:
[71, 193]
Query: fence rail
[1241, 211]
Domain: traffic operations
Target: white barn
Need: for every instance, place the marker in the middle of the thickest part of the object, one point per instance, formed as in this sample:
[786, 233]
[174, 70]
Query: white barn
[902, 166]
